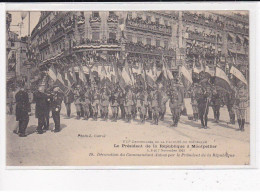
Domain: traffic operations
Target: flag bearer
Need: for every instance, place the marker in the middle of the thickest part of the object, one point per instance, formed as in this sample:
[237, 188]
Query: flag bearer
[216, 102]
[230, 102]
[141, 103]
[175, 104]
[121, 101]
[78, 100]
[104, 103]
[95, 102]
[203, 99]
[155, 97]
[114, 103]
[194, 102]
[87, 102]
[128, 103]
[57, 98]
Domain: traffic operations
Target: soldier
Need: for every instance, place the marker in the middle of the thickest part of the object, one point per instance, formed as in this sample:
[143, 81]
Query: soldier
[47, 114]
[134, 109]
[95, 96]
[175, 104]
[155, 97]
[114, 103]
[41, 108]
[203, 99]
[68, 99]
[22, 110]
[78, 100]
[164, 99]
[128, 103]
[149, 104]
[121, 100]
[56, 107]
[194, 102]
[141, 103]
[216, 102]
[87, 102]
[241, 105]
[230, 102]
[104, 103]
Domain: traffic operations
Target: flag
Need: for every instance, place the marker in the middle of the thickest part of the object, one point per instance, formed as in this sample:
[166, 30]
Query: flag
[150, 78]
[208, 71]
[52, 73]
[222, 80]
[126, 77]
[186, 73]
[166, 71]
[234, 71]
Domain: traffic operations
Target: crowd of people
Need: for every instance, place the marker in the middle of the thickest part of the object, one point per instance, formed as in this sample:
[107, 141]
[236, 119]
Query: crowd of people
[136, 102]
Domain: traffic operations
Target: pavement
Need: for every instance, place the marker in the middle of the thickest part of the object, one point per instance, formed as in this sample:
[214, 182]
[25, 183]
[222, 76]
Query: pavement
[98, 143]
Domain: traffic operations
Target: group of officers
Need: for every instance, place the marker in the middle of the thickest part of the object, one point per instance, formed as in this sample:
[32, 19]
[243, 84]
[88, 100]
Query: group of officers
[149, 102]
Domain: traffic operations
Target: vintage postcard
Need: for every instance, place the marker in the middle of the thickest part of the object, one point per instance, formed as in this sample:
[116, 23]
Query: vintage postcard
[128, 88]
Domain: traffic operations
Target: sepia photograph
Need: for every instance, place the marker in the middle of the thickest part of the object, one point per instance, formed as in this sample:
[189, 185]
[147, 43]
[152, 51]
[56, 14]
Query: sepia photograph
[127, 88]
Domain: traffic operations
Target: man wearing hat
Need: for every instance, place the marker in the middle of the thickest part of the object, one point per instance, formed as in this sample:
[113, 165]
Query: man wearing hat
[203, 99]
[41, 108]
[104, 103]
[155, 97]
[141, 103]
[230, 102]
[68, 99]
[22, 109]
[95, 96]
[121, 100]
[163, 101]
[215, 103]
[194, 102]
[78, 100]
[114, 103]
[128, 103]
[57, 98]
[87, 102]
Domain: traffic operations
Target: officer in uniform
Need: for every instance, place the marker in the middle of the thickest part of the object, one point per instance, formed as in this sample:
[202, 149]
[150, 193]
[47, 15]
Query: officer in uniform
[95, 101]
[129, 102]
[78, 100]
[41, 108]
[87, 102]
[203, 99]
[104, 103]
[216, 102]
[155, 97]
[164, 99]
[230, 102]
[141, 103]
[175, 104]
[22, 110]
[68, 99]
[114, 103]
[56, 101]
[241, 105]
[194, 102]
[121, 101]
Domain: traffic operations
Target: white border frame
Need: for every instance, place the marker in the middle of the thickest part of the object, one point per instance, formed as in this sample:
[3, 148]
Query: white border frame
[140, 6]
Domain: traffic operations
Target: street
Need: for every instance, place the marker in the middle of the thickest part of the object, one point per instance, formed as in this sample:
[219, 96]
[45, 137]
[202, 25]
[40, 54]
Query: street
[79, 139]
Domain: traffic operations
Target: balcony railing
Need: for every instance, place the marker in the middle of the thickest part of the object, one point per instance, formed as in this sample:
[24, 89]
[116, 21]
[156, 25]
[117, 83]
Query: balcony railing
[200, 37]
[95, 19]
[43, 44]
[236, 29]
[81, 20]
[148, 49]
[57, 34]
[69, 25]
[112, 19]
[149, 26]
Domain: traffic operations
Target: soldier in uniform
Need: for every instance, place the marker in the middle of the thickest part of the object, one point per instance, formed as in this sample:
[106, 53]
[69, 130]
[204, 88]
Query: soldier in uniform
[47, 114]
[78, 100]
[194, 102]
[22, 110]
[216, 102]
[241, 105]
[56, 101]
[155, 97]
[68, 99]
[141, 103]
[41, 108]
[95, 101]
[175, 104]
[114, 103]
[121, 100]
[230, 102]
[104, 103]
[87, 102]
[164, 99]
[149, 104]
[203, 99]
[129, 102]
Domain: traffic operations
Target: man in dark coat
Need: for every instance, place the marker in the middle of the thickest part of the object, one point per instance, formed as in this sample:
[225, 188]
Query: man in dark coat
[41, 108]
[216, 102]
[68, 99]
[57, 98]
[203, 98]
[22, 110]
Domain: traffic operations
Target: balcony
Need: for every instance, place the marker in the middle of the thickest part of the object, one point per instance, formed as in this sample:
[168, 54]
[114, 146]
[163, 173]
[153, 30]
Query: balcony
[139, 24]
[59, 33]
[69, 25]
[112, 19]
[43, 44]
[237, 48]
[200, 37]
[148, 49]
[236, 29]
[81, 20]
[93, 19]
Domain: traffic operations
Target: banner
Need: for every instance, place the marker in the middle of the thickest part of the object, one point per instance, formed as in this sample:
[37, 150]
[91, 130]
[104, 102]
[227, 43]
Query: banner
[238, 74]
[186, 74]
[222, 80]
[52, 73]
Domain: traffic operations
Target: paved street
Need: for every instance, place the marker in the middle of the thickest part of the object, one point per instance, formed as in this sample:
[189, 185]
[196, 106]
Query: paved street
[78, 138]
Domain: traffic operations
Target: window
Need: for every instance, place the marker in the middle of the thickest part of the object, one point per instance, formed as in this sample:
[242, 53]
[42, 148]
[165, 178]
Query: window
[112, 35]
[12, 44]
[166, 44]
[111, 13]
[139, 39]
[95, 36]
[130, 38]
[95, 14]
[158, 43]
[148, 41]
[157, 20]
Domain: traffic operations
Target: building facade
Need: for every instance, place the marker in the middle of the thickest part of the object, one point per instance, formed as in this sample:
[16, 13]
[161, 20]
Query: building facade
[178, 37]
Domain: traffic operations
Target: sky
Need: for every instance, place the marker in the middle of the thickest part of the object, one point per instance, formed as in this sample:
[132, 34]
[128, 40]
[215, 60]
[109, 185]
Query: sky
[16, 18]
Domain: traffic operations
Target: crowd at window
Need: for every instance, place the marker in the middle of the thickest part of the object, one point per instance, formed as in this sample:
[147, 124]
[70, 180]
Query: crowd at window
[202, 35]
[148, 24]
